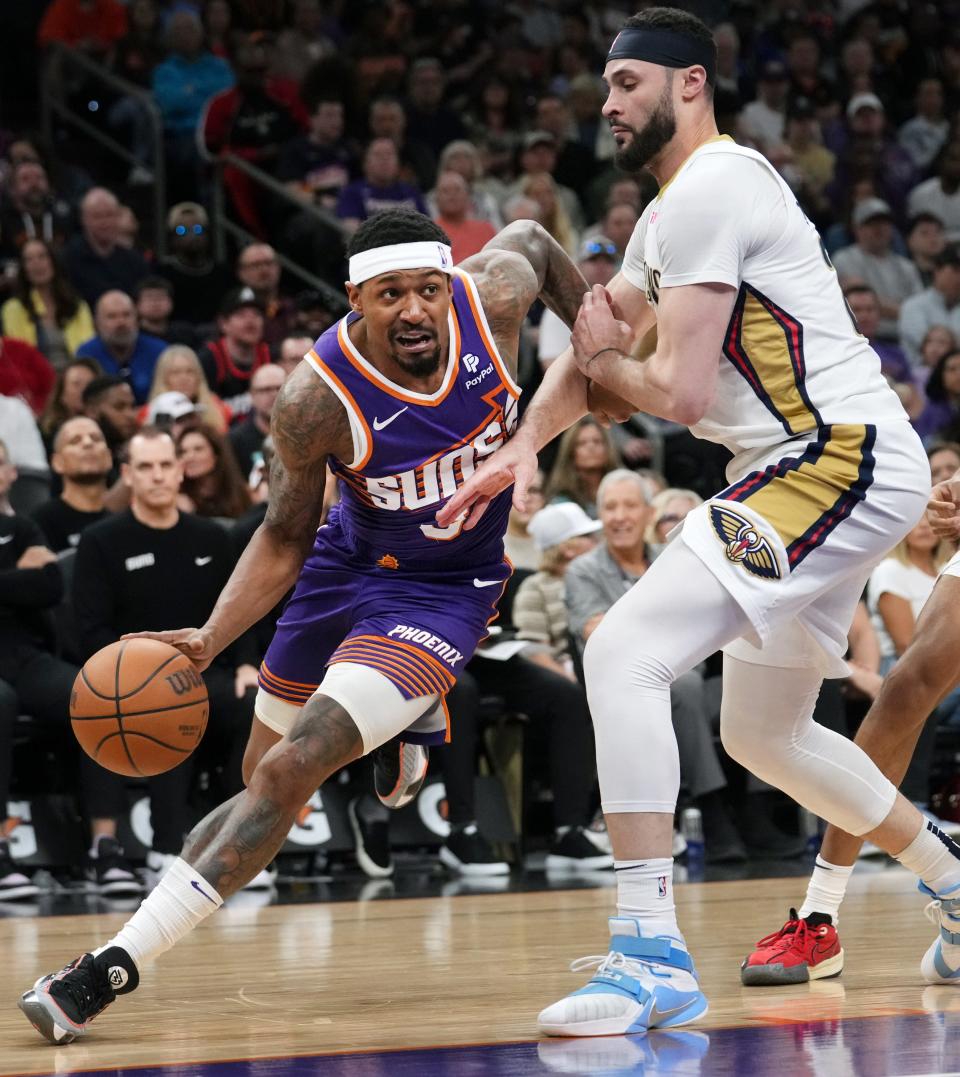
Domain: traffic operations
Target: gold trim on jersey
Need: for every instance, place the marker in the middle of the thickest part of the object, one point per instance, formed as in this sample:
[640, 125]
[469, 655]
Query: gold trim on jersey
[716, 138]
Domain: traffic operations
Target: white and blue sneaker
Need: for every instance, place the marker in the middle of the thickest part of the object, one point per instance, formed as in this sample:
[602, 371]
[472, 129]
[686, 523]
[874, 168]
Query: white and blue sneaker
[941, 962]
[644, 982]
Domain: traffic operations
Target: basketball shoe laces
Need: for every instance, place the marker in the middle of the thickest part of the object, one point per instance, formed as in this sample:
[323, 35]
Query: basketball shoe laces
[84, 985]
[615, 961]
[796, 928]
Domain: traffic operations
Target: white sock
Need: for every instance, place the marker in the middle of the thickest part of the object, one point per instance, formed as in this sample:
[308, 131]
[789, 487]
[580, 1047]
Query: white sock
[645, 893]
[181, 900]
[826, 889]
[934, 857]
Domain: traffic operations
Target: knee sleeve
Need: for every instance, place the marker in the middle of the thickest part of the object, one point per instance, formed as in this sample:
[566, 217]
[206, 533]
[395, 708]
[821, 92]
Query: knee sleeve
[766, 723]
[378, 708]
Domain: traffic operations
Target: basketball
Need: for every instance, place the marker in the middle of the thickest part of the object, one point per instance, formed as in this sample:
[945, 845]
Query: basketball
[139, 707]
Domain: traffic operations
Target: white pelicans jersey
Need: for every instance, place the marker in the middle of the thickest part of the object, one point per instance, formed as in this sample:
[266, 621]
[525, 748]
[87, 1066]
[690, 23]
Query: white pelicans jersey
[793, 360]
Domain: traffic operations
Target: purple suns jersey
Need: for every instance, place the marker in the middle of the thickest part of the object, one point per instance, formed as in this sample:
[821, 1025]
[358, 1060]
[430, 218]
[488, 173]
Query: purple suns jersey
[412, 451]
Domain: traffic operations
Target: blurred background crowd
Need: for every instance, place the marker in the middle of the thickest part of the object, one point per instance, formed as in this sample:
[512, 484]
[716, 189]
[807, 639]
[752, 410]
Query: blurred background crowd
[178, 181]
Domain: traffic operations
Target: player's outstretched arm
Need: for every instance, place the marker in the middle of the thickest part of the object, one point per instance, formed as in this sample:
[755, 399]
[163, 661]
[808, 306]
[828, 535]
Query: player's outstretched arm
[308, 424]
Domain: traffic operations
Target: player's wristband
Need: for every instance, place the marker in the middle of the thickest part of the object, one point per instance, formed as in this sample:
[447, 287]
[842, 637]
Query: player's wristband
[602, 350]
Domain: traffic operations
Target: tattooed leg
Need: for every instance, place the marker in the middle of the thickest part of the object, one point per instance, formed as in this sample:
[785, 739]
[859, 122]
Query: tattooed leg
[238, 839]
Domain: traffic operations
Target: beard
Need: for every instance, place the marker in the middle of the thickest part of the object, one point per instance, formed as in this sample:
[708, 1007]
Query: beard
[89, 478]
[646, 143]
[417, 366]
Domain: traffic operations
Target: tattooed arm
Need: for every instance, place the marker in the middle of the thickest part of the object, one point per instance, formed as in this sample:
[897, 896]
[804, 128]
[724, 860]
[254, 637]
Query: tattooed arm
[308, 424]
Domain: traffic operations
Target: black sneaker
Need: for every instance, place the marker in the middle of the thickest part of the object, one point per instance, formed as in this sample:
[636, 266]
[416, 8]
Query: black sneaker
[14, 885]
[467, 852]
[398, 771]
[61, 1005]
[112, 873]
[576, 852]
[372, 838]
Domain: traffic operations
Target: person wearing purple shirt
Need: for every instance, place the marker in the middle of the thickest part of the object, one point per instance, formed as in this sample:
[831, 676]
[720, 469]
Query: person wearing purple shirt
[379, 189]
[941, 417]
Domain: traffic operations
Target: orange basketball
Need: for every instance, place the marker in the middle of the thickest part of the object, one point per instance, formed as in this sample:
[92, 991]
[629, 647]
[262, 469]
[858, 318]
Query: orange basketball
[139, 707]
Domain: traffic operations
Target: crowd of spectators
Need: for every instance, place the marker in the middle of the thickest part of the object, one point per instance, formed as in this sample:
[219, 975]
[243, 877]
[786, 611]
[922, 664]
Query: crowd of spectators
[478, 114]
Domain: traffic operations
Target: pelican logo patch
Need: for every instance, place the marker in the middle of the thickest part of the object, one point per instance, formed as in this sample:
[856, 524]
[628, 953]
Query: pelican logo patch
[743, 544]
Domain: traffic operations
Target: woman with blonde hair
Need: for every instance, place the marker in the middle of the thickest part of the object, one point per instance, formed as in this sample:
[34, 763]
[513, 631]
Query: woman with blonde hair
[178, 370]
[540, 186]
[587, 452]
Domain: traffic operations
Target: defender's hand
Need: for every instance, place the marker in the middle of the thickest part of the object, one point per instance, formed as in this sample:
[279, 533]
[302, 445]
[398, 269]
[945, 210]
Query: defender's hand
[514, 463]
[196, 643]
[943, 509]
[597, 329]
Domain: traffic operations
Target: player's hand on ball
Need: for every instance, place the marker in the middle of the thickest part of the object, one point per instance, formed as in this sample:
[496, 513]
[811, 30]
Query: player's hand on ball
[943, 509]
[597, 329]
[196, 643]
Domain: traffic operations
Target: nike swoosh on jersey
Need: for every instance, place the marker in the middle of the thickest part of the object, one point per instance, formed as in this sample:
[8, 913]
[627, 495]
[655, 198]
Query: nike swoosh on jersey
[378, 425]
[202, 560]
[485, 583]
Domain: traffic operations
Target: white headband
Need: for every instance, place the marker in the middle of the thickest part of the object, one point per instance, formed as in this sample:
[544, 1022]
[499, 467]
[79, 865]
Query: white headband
[399, 256]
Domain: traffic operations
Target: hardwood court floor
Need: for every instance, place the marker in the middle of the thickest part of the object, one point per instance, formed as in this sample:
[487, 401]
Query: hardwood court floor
[318, 979]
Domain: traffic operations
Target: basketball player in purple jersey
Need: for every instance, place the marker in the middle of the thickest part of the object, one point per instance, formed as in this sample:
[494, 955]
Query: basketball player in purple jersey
[403, 398]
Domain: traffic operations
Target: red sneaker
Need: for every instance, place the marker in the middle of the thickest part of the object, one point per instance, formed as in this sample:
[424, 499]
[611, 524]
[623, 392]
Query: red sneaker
[801, 950]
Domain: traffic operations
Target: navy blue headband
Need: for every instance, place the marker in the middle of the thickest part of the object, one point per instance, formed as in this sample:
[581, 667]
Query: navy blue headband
[664, 47]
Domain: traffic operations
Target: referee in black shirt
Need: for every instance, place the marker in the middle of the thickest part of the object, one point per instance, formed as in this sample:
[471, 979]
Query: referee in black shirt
[153, 567]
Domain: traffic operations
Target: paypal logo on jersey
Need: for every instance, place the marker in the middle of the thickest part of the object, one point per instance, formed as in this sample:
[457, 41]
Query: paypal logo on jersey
[472, 362]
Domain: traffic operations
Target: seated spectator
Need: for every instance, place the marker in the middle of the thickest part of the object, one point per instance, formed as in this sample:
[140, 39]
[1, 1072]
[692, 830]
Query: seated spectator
[942, 411]
[576, 166]
[229, 361]
[24, 446]
[24, 372]
[925, 241]
[871, 260]
[553, 215]
[387, 118]
[944, 461]
[122, 584]
[82, 460]
[252, 120]
[178, 370]
[247, 437]
[594, 582]
[538, 156]
[561, 533]
[598, 260]
[218, 24]
[183, 84]
[617, 224]
[379, 189]
[807, 78]
[292, 351]
[259, 269]
[894, 365]
[763, 121]
[463, 157]
[925, 133]
[120, 347]
[95, 260]
[45, 310]
[212, 483]
[108, 400]
[518, 544]
[92, 26]
[467, 235]
[938, 341]
[937, 305]
[939, 196]
[811, 161]
[318, 165]
[32, 680]
[429, 120]
[586, 453]
[66, 400]
[31, 210]
[154, 305]
[669, 507]
[199, 282]
[302, 44]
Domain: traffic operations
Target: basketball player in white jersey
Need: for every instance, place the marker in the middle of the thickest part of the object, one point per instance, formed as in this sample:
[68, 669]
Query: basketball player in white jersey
[755, 349]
